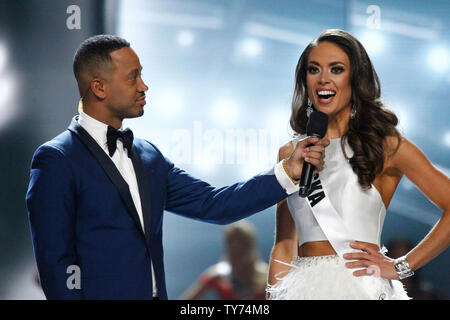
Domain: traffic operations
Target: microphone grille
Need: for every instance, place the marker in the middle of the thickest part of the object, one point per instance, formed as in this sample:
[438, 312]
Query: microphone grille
[317, 124]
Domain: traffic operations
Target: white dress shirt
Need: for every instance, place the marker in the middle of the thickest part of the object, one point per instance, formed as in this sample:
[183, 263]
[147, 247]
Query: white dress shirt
[97, 130]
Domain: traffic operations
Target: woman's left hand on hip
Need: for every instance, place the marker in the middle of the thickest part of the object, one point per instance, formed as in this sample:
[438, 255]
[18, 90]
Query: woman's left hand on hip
[371, 261]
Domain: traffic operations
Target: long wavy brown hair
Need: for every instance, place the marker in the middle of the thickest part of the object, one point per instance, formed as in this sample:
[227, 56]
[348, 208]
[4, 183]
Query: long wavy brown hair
[372, 121]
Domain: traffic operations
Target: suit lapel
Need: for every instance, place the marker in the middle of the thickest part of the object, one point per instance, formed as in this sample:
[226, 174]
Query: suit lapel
[111, 170]
[144, 190]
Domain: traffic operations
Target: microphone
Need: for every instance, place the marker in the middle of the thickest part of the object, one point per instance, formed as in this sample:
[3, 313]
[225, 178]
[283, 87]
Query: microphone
[316, 127]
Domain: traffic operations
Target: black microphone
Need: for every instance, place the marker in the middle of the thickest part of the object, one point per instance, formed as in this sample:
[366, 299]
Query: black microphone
[316, 127]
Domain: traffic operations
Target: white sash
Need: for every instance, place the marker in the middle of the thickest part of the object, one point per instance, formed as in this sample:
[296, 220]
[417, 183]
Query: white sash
[328, 219]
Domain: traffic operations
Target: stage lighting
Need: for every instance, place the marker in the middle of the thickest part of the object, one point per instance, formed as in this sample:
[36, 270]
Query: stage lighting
[439, 59]
[251, 47]
[3, 56]
[169, 103]
[225, 111]
[373, 41]
[185, 38]
[277, 118]
[8, 88]
[405, 123]
[447, 139]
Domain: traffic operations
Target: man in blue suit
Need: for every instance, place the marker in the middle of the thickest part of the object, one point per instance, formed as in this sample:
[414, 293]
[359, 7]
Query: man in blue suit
[96, 195]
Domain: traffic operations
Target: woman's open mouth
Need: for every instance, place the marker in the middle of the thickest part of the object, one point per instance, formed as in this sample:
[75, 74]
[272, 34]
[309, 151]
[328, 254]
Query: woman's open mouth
[325, 96]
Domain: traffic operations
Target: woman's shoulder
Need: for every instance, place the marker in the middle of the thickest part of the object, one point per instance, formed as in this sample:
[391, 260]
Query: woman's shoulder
[392, 142]
[287, 148]
[400, 150]
[397, 146]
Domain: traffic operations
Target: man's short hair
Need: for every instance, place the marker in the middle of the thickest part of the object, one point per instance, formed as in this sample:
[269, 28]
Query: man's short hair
[93, 57]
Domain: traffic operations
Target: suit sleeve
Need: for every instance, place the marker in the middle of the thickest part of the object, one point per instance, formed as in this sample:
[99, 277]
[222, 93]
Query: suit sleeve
[51, 209]
[197, 199]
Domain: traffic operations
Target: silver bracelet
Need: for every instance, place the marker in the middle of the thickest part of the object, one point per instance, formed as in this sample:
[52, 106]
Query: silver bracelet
[402, 267]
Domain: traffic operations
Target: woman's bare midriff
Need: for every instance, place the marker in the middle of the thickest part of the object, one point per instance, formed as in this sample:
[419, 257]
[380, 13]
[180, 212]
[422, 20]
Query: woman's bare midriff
[322, 248]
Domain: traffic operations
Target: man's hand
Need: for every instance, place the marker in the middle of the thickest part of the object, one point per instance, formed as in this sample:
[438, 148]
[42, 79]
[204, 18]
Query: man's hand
[314, 154]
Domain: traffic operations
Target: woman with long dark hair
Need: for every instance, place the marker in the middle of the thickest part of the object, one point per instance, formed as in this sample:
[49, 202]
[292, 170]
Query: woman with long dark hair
[321, 239]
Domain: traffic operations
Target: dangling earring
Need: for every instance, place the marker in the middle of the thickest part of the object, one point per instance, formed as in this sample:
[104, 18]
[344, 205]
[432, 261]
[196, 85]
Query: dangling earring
[309, 109]
[353, 112]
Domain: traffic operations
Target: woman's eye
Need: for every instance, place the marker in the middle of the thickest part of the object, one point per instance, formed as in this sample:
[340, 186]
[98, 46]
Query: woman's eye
[312, 69]
[337, 69]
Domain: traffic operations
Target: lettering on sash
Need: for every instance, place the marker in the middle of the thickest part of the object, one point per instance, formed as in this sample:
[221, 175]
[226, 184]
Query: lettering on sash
[316, 193]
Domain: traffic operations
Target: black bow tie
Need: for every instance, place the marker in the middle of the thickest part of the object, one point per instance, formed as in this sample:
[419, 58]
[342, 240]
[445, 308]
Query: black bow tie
[111, 139]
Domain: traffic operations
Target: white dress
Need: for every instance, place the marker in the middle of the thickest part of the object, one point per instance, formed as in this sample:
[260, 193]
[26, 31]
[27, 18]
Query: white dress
[358, 215]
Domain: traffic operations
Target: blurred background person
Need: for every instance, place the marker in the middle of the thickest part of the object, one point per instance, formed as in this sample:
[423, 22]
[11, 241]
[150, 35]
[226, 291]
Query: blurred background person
[242, 275]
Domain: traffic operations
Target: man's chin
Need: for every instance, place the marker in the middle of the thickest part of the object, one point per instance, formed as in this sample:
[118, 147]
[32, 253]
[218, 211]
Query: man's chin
[140, 111]
[137, 114]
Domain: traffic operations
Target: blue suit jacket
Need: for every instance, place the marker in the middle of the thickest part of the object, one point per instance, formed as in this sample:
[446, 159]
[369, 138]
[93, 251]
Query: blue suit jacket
[81, 213]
